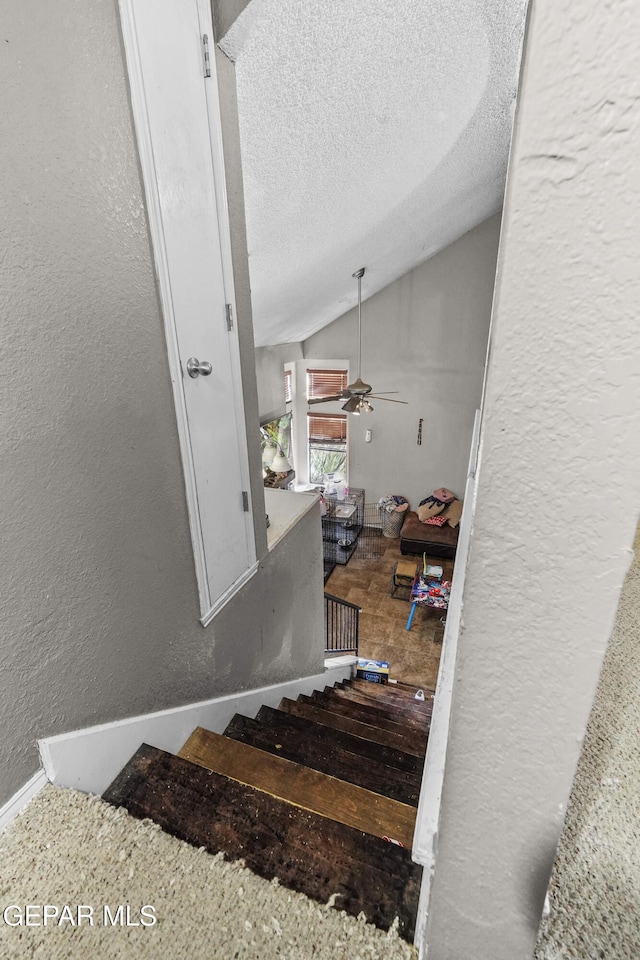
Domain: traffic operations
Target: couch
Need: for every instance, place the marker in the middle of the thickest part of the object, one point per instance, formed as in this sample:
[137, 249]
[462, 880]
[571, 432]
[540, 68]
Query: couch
[418, 538]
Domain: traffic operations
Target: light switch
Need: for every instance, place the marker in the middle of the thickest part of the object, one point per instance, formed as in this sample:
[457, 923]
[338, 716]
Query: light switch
[367, 436]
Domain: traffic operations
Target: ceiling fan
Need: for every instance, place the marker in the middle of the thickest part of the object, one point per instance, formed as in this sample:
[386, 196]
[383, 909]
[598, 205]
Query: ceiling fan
[358, 393]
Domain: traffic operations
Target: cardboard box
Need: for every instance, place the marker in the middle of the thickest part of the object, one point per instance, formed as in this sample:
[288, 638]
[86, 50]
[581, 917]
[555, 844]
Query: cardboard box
[375, 671]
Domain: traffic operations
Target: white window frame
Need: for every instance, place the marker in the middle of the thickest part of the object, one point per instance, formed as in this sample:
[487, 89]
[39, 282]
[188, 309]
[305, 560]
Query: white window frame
[345, 443]
[300, 408]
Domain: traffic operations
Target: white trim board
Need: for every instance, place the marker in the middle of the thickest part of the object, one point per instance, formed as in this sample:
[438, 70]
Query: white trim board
[206, 618]
[90, 759]
[428, 816]
[142, 21]
[21, 798]
[154, 214]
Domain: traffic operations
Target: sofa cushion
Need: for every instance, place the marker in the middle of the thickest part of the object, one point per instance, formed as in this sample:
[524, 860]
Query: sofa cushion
[417, 537]
[453, 513]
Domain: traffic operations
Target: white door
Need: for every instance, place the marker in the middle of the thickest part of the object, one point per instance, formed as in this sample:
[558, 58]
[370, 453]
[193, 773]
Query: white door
[177, 122]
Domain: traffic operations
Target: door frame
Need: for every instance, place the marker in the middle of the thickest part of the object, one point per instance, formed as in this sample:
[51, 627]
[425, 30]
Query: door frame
[209, 606]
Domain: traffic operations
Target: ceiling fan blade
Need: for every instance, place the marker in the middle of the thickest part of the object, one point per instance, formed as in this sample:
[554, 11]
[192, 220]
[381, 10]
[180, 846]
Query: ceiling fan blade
[352, 404]
[388, 399]
[383, 393]
[326, 399]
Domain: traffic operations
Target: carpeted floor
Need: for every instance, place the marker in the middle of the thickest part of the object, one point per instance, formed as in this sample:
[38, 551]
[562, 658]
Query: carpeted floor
[68, 848]
[595, 889]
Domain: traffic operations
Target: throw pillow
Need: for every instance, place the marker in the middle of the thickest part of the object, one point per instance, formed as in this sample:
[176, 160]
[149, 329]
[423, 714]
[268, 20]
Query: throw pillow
[445, 495]
[437, 521]
[453, 514]
[430, 509]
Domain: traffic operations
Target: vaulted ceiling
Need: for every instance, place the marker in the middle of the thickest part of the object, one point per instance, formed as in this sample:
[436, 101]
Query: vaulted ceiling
[373, 134]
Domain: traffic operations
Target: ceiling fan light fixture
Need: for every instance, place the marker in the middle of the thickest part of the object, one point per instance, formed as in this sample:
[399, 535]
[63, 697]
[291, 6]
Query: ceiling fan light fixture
[352, 405]
[366, 406]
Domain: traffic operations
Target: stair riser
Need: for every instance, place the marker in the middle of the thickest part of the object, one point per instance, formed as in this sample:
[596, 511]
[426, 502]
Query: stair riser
[418, 715]
[277, 720]
[327, 758]
[366, 714]
[394, 690]
[311, 711]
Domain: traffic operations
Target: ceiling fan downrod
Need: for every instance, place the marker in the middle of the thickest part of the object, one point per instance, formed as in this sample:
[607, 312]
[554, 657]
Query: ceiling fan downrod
[359, 274]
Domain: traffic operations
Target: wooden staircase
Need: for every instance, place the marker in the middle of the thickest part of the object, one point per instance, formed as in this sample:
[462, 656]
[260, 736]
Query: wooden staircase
[320, 793]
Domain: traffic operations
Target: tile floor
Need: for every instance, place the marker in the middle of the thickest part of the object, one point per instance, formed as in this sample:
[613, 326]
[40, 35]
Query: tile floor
[413, 655]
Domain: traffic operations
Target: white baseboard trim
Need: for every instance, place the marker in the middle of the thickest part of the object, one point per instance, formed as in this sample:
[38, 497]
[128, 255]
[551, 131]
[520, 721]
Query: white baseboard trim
[90, 759]
[21, 798]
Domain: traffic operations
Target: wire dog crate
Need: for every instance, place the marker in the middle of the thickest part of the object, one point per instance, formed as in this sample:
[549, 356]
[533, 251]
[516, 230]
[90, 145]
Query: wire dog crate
[342, 525]
[371, 543]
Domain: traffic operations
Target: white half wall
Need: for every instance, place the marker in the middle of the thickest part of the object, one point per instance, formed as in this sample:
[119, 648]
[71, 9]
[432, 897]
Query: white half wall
[90, 759]
[425, 335]
[558, 492]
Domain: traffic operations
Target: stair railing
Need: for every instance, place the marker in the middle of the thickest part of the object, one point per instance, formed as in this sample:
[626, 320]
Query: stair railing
[341, 625]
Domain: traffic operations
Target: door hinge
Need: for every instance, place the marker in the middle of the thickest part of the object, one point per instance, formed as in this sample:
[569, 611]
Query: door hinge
[205, 53]
[245, 501]
[229, 310]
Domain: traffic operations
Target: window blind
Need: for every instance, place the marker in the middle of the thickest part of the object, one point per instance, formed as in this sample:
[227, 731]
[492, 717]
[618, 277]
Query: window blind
[287, 386]
[327, 427]
[325, 383]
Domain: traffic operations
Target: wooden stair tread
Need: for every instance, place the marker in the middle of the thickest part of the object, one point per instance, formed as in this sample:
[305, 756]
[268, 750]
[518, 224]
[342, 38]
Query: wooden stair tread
[415, 710]
[367, 714]
[306, 852]
[279, 720]
[350, 708]
[392, 689]
[327, 757]
[415, 745]
[302, 786]
[418, 715]
[389, 690]
[403, 690]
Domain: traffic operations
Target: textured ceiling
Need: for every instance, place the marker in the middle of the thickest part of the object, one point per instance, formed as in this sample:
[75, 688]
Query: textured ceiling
[373, 134]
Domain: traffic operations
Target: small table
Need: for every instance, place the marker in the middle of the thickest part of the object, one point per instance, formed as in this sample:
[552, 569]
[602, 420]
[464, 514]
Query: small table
[403, 577]
[428, 592]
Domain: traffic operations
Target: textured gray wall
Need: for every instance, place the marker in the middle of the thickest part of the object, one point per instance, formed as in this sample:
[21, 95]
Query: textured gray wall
[225, 13]
[425, 336]
[98, 593]
[270, 363]
[558, 484]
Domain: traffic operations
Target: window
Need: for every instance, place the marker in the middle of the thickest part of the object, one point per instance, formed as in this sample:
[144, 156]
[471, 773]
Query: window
[278, 433]
[325, 383]
[327, 444]
[287, 386]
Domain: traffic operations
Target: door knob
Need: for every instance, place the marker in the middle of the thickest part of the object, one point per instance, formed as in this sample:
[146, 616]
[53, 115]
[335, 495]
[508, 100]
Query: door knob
[195, 367]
